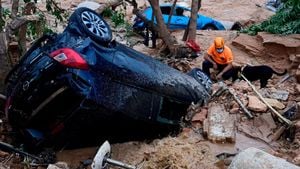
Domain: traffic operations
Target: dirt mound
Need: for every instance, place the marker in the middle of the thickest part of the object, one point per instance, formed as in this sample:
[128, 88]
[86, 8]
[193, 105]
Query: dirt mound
[278, 51]
[174, 153]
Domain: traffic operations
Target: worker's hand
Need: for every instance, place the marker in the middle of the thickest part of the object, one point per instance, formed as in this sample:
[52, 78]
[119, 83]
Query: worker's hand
[219, 76]
[215, 66]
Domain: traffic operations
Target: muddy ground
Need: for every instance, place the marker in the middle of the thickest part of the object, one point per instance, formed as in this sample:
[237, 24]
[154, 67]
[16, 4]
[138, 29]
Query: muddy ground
[190, 149]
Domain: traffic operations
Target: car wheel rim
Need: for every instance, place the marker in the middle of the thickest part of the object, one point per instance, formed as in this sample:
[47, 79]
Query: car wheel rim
[94, 24]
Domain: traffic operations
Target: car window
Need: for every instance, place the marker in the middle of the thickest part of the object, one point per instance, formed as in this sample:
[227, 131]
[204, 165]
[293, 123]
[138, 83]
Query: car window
[187, 13]
[179, 11]
[165, 10]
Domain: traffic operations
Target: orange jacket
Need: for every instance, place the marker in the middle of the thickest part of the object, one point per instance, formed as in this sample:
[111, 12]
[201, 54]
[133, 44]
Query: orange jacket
[223, 58]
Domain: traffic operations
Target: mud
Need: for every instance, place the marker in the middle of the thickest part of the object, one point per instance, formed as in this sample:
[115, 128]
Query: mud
[189, 149]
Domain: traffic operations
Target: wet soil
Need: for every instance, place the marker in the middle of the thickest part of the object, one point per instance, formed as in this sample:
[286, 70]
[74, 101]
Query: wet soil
[189, 149]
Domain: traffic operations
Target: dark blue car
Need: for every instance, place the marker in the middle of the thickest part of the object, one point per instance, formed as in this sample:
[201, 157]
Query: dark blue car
[81, 80]
[179, 19]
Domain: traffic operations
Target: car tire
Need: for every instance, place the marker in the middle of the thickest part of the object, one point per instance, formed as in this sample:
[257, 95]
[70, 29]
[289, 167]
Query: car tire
[202, 78]
[92, 24]
[209, 28]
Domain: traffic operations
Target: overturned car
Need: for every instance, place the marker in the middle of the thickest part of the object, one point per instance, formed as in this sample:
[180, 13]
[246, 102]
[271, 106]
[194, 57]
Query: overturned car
[82, 81]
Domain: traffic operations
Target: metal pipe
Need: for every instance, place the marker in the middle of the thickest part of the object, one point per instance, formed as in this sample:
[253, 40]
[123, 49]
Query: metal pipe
[118, 163]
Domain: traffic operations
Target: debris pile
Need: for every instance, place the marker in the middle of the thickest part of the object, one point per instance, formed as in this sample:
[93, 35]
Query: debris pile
[179, 153]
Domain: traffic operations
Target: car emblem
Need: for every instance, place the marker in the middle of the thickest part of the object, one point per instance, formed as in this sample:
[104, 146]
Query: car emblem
[26, 85]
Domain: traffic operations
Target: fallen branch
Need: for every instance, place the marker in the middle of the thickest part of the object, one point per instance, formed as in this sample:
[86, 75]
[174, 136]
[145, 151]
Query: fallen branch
[112, 3]
[287, 121]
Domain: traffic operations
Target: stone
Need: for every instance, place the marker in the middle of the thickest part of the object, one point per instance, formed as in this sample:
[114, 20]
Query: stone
[297, 126]
[298, 75]
[274, 94]
[242, 86]
[297, 99]
[219, 125]
[256, 105]
[3, 154]
[58, 165]
[291, 111]
[297, 88]
[296, 160]
[200, 117]
[235, 105]
[268, 119]
[234, 110]
[254, 158]
[275, 103]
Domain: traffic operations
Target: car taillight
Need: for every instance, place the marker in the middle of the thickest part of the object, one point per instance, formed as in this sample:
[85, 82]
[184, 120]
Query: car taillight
[70, 58]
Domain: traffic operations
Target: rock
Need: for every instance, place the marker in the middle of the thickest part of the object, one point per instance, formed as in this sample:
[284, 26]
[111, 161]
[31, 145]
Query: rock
[58, 165]
[242, 86]
[219, 125]
[235, 105]
[200, 117]
[256, 105]
[3, 154]
[89, 4]
[51, 166]
[254, 158]
[252, 45]
[297, 99]
[275, 103]
[291, 111]
[297, 126]
[274, 94]
[234, 110]
[268, 119]
[296, 160]
[297, 88]
[298, 75]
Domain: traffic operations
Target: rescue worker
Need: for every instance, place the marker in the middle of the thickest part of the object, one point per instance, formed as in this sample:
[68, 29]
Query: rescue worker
[220, 58]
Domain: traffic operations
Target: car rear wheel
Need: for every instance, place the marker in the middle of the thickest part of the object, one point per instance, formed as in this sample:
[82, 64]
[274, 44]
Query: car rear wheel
[92, 24]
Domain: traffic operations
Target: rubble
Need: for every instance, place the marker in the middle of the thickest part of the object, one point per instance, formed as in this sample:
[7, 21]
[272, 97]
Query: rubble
[275, 103]
[296, 160]
[255, 158]
[219, 125]
[297, 75]
[256, 105]
[275, 94]
[297, 87]
[200, 116]
[58, 165]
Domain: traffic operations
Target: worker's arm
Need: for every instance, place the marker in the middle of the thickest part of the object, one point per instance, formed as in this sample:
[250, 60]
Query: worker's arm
[208, 58]
[228, 67]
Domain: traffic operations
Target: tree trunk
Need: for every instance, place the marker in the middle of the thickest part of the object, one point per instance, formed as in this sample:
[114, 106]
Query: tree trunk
[2, 22]
[186, 32]
[111, 3]
[193, 21]
[163, 31]
[171, 13]
[14, 8]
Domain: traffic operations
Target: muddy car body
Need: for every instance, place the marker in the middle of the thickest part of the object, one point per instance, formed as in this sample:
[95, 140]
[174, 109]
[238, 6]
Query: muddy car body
[81, 79]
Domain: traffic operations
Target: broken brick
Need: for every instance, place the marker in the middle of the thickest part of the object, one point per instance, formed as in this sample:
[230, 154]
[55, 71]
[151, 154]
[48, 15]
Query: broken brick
[256, 105]
[219, 125]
